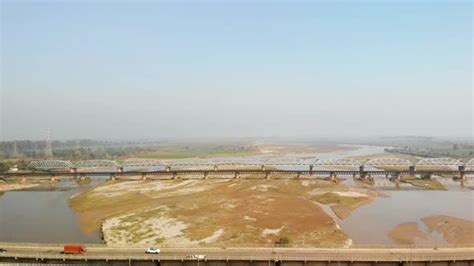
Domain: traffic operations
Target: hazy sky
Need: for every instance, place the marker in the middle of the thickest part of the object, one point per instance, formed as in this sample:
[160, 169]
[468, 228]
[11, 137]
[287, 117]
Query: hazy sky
[90, 69]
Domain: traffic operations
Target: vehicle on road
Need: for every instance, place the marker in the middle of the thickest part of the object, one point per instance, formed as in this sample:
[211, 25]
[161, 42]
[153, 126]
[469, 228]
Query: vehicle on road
[153, 251]
[196, 256]
[2, 250]
[74, 249]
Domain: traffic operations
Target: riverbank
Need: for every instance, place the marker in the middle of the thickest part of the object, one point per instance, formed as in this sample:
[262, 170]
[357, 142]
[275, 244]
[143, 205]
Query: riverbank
[7, 186]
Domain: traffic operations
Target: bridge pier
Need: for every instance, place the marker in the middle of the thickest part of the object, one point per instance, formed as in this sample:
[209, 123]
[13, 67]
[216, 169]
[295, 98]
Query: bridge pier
[426, 175]
[73, 171]
[206, 175]
[112, 177]
[82, 177]
[263, 168]
[236, 175]
[168, 168]
[411, 170]
[462, 172]
[362, 173]
[311, 169]
[120, 170]
[298, 175]
[398, 176]
[143, 176]
[175, 175]
[333, 176]
[215, 167]
[267, 175]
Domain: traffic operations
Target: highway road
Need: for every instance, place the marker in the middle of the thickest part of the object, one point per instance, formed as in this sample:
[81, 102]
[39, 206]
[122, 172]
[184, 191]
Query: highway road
[98, 252]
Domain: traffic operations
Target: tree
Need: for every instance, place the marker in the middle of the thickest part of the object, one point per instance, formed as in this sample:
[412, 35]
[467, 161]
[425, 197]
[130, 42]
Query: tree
[4, 166]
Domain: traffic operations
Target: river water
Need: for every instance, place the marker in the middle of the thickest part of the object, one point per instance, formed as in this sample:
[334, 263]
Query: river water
[45, 216]
[370, 224]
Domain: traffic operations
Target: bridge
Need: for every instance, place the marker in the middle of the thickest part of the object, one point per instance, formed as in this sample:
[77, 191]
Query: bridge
[389, 167]
[309, 163]
[241, 256]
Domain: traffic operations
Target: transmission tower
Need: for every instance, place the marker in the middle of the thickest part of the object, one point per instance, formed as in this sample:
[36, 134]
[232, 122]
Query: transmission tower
[14, 150]
[48, 152]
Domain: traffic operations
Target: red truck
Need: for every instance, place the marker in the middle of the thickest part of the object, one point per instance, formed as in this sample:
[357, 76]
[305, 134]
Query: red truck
[74, 249]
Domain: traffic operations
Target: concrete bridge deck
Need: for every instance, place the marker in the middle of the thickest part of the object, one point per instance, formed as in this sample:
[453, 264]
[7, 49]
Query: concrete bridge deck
[243, 256]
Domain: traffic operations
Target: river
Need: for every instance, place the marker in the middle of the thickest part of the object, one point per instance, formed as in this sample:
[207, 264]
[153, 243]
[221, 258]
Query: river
[45, 216]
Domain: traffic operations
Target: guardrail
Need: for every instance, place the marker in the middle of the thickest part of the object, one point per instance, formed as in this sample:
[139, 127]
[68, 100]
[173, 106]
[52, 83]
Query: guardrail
[352, 256]
[212, 246]
[38, 251]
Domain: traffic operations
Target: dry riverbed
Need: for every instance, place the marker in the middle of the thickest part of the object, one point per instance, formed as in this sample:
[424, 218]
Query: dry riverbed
[217, 212]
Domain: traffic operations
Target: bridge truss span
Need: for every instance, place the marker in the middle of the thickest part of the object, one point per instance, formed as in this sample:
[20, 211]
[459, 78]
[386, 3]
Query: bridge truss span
[142, 163]
[50, 164]
[391, 163]
[439, 163]
[96, 164]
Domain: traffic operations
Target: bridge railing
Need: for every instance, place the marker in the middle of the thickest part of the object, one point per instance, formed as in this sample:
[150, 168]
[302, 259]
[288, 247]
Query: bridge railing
[211, 246]
[329, 255]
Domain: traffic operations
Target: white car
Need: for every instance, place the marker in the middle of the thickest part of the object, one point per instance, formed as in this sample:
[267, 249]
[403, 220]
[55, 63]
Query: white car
[153, 251]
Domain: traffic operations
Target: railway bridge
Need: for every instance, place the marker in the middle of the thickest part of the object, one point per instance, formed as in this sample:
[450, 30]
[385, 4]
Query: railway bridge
[235, 168]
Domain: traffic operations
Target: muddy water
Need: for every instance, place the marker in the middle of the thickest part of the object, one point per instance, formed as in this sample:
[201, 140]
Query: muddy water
[371, 223]
[43, 216]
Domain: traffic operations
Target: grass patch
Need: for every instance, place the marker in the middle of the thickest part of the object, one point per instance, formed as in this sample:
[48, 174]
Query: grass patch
[428, 184]
[192, 152]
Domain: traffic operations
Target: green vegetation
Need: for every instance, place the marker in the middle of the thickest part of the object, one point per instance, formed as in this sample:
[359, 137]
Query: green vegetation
[197, 151]
[431, 147]
[428, 184]
[90, 150]
[4, 166]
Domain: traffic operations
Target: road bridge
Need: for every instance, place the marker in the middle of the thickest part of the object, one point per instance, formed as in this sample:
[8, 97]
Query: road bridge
[243, 256]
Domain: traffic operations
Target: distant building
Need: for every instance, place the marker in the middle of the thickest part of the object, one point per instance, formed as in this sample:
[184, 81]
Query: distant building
[13, 168]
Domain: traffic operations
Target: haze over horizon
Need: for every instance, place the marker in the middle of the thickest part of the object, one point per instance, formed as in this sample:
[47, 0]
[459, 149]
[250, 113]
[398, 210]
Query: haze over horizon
[119, 70]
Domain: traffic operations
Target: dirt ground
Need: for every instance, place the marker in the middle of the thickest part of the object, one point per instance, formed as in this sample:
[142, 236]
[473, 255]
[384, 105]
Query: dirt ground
[344, 202]
[406, 233]
[454, 230]
[197, 212]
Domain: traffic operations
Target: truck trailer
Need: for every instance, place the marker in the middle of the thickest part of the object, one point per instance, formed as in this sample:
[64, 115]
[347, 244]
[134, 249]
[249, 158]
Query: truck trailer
[74, 249]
